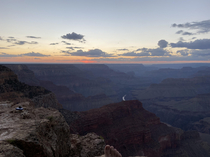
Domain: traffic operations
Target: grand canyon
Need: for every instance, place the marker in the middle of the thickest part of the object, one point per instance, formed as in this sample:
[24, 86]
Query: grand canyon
[75, 109]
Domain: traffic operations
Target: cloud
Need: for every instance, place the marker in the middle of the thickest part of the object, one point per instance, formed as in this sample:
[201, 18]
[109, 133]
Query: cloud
[74, 36]
[162, 43]
[33, 42]
[184, 33]
[25, 42]
[72, 48]
[195, 53]
[20, 42]
[2, 54]
[90, 53]
[3, 48]
[54, 43]
[148, 52]
[66, 43]
[185, 52]
[203, 53]
[187, 33]
[179, 32]
[78, 47]
[33, 37]
[1, 38]
[21, 55]
[122, 49]
[197, 44]
[35, 54]
[201, 27]
[10, 40]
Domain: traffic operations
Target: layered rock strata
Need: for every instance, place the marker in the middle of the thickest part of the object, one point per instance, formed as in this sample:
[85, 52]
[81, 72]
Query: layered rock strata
[38, 130]
[134, 131]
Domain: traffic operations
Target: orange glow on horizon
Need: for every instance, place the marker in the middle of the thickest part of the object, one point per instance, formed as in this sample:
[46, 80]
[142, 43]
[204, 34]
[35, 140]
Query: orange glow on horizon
[85, 60]
[88, 61]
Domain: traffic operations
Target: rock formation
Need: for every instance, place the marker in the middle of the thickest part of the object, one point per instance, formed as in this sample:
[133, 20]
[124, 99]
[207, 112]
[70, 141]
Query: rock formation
[39, 130]
[134, 131]
[180, 112]
[69, 99]
[89, 145]
[173, 88]
[33, 131]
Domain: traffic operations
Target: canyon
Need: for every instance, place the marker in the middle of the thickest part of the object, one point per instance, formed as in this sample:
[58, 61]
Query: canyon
[181, 102]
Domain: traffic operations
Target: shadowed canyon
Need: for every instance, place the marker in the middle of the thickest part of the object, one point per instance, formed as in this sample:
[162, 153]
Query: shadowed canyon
[165, 111]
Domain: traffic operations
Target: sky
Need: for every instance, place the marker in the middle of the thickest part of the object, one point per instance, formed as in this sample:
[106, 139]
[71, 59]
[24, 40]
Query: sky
[105, 31]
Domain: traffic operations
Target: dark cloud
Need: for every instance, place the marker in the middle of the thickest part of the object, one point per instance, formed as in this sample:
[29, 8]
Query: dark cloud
[201, 27]
[25, 42]
[184, 33]
[148, 52]
[1, 38]
[162, 43]
[35, 54]
[195, 53]
[200, 53]
[194, 38]
[197, 44]
[74, 36]
[66, 43]
[3, 48]
[21, 55]
[20, 42]
[54, 43]
[11, 40]
[33, 37]
[11, 37]
[2, 54]
[122, 49]
[78, 47]
[71, 48]
[90, 53]
[179, 32]
[185, 52]
[187, 33]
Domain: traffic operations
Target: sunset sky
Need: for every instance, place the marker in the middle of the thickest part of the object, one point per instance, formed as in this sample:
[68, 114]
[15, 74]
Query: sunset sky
[104, 31]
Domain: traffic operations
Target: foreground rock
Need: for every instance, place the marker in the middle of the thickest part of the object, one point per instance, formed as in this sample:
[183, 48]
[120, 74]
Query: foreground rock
[90, 145]
[133, 131]
[33, 131]
[39, 130]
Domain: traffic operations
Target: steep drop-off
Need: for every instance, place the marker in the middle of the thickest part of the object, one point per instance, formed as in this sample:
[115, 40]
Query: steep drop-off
[37, 130]
[135, 131]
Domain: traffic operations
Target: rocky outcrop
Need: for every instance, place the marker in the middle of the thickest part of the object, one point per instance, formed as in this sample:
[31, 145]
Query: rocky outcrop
[33, 131]
[134, 131]
[14, 90]
[39, 130]
[89, 145]
[24, 74]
